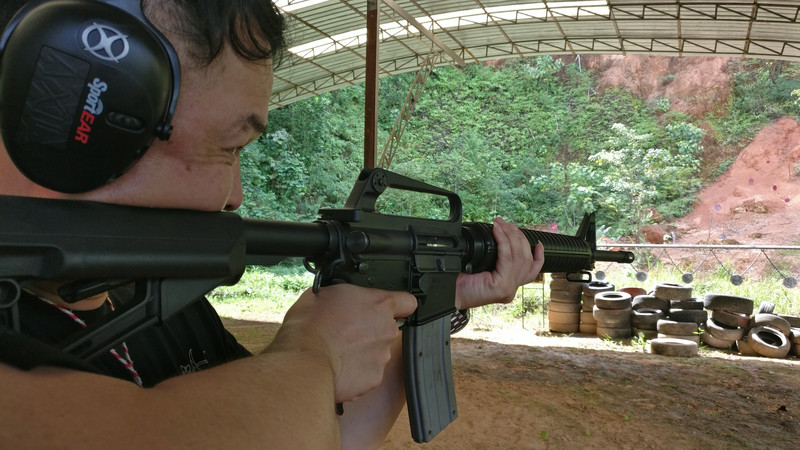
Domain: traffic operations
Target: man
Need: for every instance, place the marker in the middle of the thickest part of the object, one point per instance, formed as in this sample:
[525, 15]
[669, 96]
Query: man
[338, 345]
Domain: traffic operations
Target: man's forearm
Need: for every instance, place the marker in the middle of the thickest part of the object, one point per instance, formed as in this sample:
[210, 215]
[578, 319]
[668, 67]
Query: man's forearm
[249, 403]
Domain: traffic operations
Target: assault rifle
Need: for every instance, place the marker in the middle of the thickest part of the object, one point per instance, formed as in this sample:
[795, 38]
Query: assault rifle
[174, 257]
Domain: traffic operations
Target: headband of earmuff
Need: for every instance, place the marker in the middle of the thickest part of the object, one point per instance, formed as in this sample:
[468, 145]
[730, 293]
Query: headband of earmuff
[85, 87]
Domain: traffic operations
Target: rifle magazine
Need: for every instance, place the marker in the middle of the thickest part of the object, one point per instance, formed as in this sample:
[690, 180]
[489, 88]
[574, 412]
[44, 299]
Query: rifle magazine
[428, 370]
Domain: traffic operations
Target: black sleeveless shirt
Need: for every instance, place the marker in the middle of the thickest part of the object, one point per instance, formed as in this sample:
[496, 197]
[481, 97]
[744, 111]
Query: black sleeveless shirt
[191, 340]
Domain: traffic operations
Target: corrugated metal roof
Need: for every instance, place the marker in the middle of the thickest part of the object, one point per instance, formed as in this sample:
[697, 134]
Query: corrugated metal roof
[328, 37]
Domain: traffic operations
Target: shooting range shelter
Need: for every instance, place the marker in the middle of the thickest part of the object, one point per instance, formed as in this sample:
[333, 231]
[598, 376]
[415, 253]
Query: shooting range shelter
[339, 43]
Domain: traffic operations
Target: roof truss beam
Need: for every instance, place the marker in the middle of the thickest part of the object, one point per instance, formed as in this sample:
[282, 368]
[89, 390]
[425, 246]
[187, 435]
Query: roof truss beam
[330, 50]
[410, 19]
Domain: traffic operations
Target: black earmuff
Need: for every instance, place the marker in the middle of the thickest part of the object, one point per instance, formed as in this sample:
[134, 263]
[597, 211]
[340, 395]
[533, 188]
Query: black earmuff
[85, 88]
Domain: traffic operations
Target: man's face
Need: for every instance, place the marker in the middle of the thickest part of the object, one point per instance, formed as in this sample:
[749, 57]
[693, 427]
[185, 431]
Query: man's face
[220, 109]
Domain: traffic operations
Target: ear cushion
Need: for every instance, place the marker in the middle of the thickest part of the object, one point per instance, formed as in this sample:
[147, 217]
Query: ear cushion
[85, 87]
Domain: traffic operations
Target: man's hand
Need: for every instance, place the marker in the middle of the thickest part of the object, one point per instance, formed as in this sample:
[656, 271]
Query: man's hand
[351, 326]
[516, 265]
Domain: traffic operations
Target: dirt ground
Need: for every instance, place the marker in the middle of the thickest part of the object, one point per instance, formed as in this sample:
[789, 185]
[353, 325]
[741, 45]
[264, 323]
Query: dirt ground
[520, 389]
[757, 201]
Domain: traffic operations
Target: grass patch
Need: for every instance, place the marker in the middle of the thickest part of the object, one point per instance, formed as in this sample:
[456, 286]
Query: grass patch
[261, 292]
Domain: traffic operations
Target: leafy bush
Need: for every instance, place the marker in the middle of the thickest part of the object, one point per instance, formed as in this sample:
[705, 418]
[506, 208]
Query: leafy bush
[532, 140]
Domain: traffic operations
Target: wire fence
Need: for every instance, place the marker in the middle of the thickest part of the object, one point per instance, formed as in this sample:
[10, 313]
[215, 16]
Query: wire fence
[736, 261]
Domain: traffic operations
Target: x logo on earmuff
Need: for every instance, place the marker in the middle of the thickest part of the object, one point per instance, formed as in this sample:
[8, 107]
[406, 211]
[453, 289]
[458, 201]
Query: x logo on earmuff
[105, 42]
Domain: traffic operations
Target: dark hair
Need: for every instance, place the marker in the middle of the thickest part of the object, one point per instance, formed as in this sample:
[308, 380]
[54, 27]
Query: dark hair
[254, 28]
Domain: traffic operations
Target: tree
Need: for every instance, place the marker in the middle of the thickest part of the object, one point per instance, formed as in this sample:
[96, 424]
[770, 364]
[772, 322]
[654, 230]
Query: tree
[637, 177]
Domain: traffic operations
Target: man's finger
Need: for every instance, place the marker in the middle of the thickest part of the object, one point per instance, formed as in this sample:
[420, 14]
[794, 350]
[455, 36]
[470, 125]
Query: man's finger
[404, 304]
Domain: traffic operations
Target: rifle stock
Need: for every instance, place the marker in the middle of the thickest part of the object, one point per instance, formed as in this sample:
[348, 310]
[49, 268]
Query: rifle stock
[175, 256]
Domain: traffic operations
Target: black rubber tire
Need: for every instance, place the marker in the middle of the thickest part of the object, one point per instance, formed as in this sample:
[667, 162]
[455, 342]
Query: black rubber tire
[612, 318]
[587, 317]
[731, 319]
[794, 321]
[588, 328]
[564, 307]
[688, 315]
[673, 291]
[713, 341]
[693, 338]
[722, 332]
[686, 304]
[766, 308]
[646, 334]
[613, 332]
[673, 347]
[565, 296]
[769, 342]
[563, 327]
[647, 318]
[593, 287]
[771, 320]
[562, 284]
[650, 301]
[612, 300]
[672, 327]
[726, 302]
[563, 317]
[794, 336]
[745, 349]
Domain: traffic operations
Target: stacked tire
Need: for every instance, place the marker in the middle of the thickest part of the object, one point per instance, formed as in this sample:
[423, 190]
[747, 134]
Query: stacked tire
[671, 329]
[685, 314]
[682, 306]
[769, 335]
[590, 290]
[729, 322]
[794, 338]
[673, 347]
[564, 307]
[794, 334]
[612, 312]
[647, 311]
[722, 330]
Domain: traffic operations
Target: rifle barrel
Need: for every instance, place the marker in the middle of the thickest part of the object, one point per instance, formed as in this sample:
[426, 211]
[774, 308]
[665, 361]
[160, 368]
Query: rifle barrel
[562, 253]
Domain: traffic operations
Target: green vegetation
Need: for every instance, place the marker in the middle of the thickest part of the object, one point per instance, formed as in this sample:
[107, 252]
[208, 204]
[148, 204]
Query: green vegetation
[532, 141]
[262, 292]
[761, 92]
